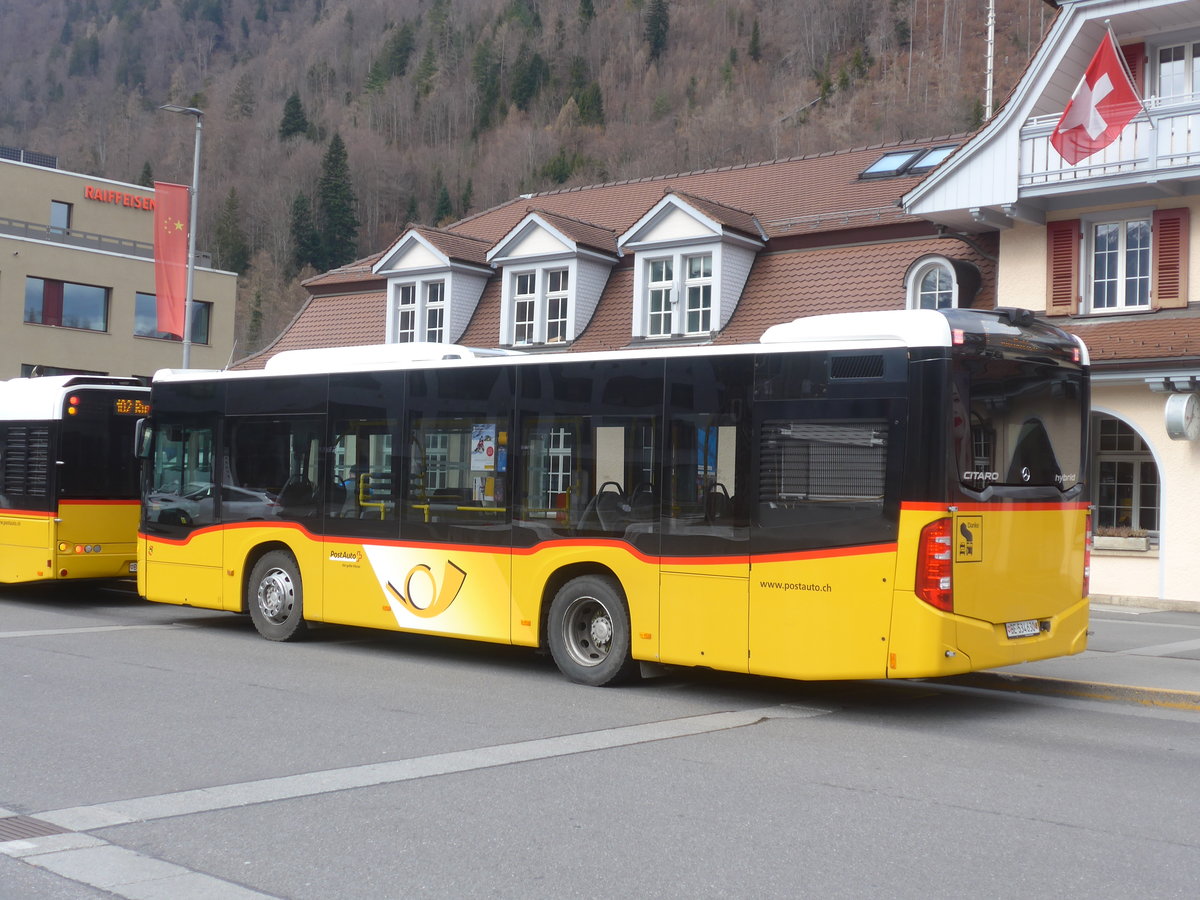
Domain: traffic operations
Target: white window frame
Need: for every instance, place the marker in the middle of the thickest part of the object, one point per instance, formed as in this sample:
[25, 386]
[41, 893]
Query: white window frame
[660, 297]
[538, 305]
[1121, 275]
[558, 304]
[524, 307]
[698, 291]
[435, 311]
[1120, 443]
[418, 311]
[1189, 88]
[406, 313]
[916, 290]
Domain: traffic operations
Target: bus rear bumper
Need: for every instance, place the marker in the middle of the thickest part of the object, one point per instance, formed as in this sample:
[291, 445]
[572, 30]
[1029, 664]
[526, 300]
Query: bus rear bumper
[928, 643]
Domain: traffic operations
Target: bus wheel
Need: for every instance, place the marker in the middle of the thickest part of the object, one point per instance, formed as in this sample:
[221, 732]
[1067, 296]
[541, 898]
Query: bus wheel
[276, 598]
[589, 633]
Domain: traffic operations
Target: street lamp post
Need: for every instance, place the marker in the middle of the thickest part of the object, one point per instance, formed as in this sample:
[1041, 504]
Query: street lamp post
[198, 114]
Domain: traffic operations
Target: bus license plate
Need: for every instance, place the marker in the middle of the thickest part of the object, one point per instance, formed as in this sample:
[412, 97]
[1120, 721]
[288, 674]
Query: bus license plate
[1026, 628]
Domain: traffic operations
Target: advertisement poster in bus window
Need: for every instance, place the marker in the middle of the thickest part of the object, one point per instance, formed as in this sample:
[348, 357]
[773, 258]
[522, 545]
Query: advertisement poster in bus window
[483, 448]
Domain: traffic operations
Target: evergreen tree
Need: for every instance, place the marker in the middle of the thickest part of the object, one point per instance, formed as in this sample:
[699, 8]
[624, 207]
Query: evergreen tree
[755, 49]
[294, 120]
[426, 72]
[443, 210]
[146, 179]
[587, 12]
[467, 198]
[485, 69]
[590, 102]
[254, 326]
[233, 251]
[337, 223]
[657, 24]
[306, 243]
[529, 73]
[242, 100]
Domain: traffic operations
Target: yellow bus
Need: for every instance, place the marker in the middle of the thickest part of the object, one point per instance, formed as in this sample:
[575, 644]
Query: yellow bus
[867, 495]
[69, 492]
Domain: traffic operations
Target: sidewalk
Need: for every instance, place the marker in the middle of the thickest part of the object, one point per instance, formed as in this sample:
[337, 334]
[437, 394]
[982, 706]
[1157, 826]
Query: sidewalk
[1134, 654]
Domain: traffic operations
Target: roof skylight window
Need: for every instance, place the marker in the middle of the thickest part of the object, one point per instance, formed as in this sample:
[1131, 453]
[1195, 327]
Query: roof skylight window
[890, 164]
[930, 159]
[907, 162]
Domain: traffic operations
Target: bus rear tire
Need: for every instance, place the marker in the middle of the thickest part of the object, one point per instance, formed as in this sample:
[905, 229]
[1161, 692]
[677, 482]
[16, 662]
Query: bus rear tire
[276, 599]
[589, 633]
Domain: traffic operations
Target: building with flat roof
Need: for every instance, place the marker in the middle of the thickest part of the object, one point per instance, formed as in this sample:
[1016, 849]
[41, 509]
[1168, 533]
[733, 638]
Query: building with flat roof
[77, 278]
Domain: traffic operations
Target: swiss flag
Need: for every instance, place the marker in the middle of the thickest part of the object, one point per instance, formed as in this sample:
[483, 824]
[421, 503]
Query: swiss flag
[170, 255]
[1100, 108]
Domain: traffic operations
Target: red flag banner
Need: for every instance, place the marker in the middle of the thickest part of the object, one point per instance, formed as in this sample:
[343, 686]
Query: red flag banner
[170, 255]
[1103, 104]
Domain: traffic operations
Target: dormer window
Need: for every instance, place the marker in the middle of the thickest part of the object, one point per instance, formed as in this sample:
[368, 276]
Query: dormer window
[937, 282]
[554, 271]
[540, 306]
[693, 258]
[419, 311]
[435, 279]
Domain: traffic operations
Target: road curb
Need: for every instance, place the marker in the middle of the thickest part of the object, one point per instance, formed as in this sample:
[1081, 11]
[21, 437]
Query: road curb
[1084, 690]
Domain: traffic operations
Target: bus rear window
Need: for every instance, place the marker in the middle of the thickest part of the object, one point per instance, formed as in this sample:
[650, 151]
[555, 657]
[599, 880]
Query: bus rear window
[1017, 423]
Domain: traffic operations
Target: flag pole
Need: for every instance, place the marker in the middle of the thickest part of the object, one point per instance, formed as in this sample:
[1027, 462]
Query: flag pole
[1128, 74]
[198, 114]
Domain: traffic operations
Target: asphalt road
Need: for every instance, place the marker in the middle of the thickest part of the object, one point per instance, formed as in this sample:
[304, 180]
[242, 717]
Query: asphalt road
[179, 755]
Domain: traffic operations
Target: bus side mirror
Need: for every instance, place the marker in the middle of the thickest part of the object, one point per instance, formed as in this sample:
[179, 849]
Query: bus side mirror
[143, 439]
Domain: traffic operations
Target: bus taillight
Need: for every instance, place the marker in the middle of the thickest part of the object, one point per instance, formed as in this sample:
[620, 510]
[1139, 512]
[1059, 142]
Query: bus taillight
[1087, 555]
[935, 561]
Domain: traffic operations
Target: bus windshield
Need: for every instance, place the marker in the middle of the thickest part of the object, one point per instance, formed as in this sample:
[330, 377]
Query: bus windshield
[1017, 423]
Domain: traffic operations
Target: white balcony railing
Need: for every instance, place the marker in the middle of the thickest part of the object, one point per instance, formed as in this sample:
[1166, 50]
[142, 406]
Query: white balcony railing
[1169, 139]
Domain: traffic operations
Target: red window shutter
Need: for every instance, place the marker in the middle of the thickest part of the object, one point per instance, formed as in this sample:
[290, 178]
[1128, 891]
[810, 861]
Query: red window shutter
[1170, 250]
[1062, 255]
[1135, 59]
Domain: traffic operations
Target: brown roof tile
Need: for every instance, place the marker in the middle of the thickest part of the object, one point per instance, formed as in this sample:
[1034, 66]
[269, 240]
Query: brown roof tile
[456, 246]
[584, 233]
[737, 219]
[341, 320]
[1158, 337]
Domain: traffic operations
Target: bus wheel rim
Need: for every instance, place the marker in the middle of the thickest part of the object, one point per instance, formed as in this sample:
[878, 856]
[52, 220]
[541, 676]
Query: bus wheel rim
[587, 631]
[276, 595]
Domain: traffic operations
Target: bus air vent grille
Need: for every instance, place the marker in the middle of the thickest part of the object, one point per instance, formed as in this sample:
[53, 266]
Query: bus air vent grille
[856, 367]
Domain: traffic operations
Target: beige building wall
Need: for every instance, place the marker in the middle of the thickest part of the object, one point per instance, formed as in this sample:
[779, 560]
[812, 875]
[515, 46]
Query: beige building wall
[108, 244]
[1173, 572]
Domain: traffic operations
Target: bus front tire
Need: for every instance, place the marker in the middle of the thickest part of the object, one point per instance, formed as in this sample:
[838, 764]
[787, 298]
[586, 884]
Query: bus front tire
[589, 633]
[276, 598]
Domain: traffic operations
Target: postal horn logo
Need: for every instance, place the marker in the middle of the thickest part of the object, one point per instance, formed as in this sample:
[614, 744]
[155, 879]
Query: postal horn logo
[426, 596]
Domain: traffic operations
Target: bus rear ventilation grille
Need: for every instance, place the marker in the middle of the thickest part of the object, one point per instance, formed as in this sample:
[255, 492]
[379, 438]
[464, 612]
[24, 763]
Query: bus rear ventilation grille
[856, 367]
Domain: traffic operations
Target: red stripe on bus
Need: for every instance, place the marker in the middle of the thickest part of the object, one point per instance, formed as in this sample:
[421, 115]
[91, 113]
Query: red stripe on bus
[1006, 505]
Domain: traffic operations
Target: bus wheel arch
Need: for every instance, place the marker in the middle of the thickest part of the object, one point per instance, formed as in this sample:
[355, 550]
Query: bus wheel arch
[588, 629]
[274, 595]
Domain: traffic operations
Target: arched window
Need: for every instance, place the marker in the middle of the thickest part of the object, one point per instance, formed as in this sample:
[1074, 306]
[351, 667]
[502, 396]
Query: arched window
[1126, 481]
[932, 284]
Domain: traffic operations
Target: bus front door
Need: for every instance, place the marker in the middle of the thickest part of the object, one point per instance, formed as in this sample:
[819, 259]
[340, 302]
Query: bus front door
[182, 552]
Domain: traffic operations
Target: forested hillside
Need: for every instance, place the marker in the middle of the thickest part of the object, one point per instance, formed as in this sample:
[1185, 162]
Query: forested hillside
[447, 106]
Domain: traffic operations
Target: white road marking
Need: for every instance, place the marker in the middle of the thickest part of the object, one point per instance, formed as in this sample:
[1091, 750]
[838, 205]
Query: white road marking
[83, 629]
[228, 796]
[120, 871]
[1161, 649]
[126, 873]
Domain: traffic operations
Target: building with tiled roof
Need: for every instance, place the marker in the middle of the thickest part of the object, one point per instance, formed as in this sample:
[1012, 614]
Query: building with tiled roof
[715, 256]
[1102, 244]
